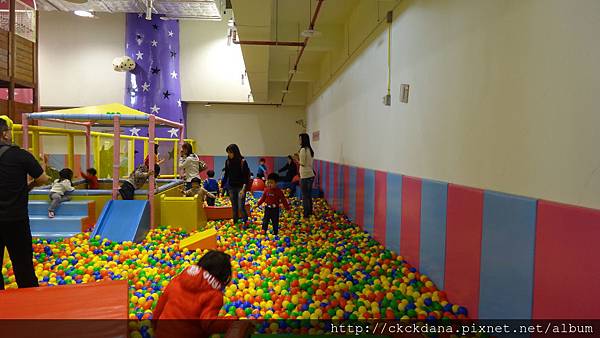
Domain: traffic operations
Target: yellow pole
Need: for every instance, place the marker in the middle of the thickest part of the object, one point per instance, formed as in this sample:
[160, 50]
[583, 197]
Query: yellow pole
[145, 149]
[35, 143]
[175, 157]
[70, 151]
[131, 156]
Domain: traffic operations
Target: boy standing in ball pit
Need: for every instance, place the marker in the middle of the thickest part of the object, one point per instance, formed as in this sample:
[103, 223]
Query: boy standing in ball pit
[272, 197]
[190, 304]
[212, 186]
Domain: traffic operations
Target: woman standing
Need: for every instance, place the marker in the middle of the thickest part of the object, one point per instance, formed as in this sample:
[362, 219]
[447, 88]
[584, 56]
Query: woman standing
[237, 175]
[189, 163]
[307, 175]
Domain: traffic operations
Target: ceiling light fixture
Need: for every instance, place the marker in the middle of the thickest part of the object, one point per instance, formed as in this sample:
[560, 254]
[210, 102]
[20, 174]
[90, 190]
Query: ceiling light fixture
[84, 14]
[207, 104]
[310, 33]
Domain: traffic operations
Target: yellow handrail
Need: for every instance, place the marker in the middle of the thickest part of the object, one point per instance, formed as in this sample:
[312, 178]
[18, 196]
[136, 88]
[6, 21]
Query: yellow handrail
[37, 131]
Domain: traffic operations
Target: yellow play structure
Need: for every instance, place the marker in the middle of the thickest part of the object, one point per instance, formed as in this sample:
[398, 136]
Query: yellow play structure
[173, 210]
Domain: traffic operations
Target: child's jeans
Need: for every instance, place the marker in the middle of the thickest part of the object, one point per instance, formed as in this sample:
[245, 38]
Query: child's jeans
[56, 199]
[271, 215]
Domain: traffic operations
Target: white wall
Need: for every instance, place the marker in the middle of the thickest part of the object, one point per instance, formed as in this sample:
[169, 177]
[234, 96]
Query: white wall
[75, 59]
[258, 130]
[503, 97]
[210, 69]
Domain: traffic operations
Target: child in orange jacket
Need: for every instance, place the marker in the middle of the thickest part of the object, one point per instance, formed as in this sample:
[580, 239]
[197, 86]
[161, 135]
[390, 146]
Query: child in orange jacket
[196, 293]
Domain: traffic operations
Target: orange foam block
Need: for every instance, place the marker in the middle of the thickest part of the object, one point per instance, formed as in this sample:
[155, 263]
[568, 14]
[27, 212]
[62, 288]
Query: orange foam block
[215, 213]
[206, 239]
[79, 310]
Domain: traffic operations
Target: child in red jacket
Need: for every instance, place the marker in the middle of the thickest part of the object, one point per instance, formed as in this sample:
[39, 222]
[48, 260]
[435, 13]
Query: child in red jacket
[91, 179]
[272, 197]
[196, 293]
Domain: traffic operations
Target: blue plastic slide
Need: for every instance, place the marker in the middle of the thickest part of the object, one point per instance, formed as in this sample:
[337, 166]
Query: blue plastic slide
[122, 221]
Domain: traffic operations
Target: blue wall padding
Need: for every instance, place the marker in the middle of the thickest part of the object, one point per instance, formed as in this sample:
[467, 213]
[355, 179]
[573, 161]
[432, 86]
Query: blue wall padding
[434, 196]
[253, 163]
[352, 194]
[393, 212]
[508, 243]
[280, 162]
[219, 165]
[369, 200]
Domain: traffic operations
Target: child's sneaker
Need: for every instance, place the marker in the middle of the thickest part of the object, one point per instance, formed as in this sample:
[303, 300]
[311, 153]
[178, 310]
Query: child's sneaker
[50, 214]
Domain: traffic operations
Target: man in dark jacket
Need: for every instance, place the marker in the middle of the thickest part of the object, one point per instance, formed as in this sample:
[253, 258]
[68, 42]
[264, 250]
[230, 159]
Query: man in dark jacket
[16, 165]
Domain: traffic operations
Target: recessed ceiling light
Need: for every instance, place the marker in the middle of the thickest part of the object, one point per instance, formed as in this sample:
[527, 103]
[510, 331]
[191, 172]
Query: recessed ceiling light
[85, 14]
[207, 104]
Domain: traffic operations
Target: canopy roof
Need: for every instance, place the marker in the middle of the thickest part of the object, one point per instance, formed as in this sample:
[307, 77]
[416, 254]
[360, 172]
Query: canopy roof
[102, 116]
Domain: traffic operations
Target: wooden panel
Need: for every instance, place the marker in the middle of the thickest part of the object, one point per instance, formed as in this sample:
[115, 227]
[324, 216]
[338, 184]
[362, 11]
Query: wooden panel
[4, 39]
[25, 61]
[3, 107]
[23, 107]
[24, 69]
[23, 44]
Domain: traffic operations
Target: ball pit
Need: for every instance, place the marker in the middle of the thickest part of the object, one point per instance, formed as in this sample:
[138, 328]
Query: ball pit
[321, 268]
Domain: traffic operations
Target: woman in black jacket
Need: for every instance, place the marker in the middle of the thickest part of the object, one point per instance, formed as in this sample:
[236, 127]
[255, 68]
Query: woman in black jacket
[237, 175]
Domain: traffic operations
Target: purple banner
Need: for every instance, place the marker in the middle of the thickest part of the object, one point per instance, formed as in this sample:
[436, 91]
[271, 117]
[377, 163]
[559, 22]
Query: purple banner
[153, 86]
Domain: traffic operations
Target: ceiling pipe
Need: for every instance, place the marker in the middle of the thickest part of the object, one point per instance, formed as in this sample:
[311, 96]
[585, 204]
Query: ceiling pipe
[266, 43]
[313, 21]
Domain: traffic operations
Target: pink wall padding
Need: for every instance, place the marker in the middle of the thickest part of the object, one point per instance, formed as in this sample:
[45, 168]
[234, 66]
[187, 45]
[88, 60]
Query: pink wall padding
[210, 162]
[463, 246]
[336, 180]
[410, 236]
[360, 197]
[567, 272]
[270, 163]
[380, 206]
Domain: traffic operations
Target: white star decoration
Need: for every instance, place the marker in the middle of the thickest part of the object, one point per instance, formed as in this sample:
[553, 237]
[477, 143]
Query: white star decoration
[140, 15]
[145, 86]
[154, 43]
[134, 131]
[154, 109]
[173, 132]
[139, 55]
[171, 33]
[179, 103]
[173, 75]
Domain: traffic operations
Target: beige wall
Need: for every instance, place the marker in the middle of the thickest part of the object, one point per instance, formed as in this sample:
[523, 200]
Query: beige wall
[75, 59]
[210, 69]
[503, 97]
[258, 130]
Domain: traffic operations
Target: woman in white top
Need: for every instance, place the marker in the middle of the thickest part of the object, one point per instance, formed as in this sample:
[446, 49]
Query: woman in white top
[307, 174]
[189, 163]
